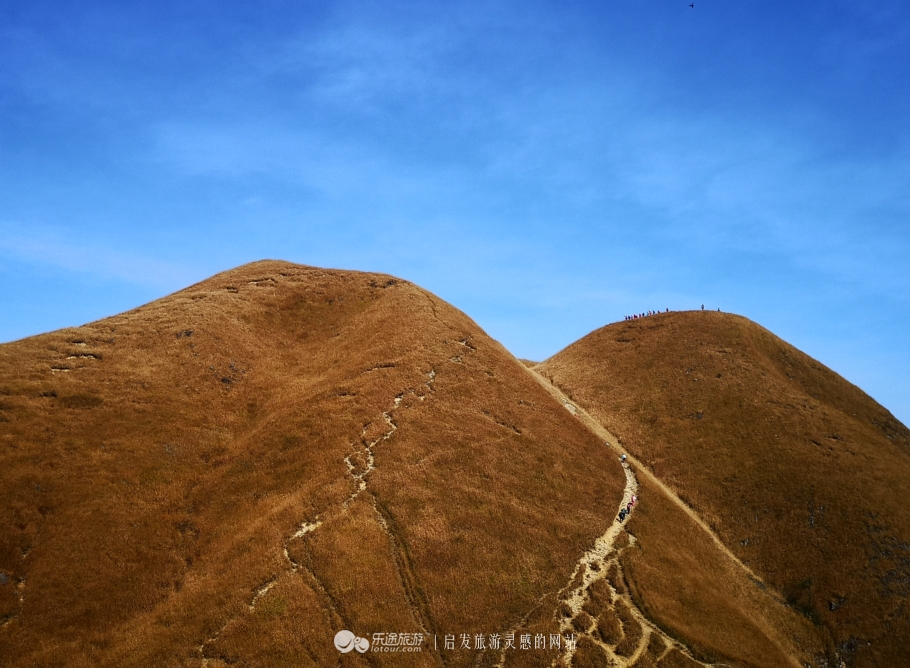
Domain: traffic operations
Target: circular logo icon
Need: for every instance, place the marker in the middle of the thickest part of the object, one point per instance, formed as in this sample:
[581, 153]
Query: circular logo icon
[344, 641]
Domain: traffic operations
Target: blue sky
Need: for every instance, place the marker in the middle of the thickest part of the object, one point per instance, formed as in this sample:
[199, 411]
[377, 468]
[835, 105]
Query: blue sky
[547, 167]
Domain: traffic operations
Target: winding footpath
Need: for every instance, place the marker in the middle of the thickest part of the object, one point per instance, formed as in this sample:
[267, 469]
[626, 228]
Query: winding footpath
[603, 557]
[581, 610]
[595, 605]
[359, 463]
[595, 426]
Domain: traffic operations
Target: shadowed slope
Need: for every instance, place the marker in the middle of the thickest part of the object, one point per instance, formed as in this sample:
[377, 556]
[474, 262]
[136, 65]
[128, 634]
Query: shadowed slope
[798, 472]
[237, 471]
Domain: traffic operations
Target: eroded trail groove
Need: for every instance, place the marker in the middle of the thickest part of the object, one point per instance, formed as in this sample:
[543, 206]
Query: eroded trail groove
[602, 432]
[595, 604]
[598, 609]
[360, 463]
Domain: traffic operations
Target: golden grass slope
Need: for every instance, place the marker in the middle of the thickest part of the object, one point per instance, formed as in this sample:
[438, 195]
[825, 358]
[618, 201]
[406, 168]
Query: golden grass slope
[672, 562]
[800, 474]
[233, 473]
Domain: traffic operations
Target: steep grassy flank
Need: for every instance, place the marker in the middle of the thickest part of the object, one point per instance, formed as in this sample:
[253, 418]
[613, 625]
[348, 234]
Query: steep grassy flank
[799, 472]
[236, 472]
[678, 577]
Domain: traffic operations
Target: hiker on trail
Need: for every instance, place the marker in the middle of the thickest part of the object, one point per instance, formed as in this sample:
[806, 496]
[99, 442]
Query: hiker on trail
[623, 459]
[702, 307]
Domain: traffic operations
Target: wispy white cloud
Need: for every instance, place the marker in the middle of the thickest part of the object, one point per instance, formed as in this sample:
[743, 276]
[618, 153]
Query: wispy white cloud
[50, 248]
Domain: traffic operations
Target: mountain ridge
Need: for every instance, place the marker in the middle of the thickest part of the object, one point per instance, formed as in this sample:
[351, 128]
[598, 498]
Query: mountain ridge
[772, 449]
[279, 447]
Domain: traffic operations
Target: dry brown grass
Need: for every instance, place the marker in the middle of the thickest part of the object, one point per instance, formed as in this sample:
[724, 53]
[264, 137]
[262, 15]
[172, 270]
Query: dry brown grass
[589, 655]
[681, 580]
[609, 626]
[599, 597]
[631, 630]
[656, 646]
[799, 472]
[676, 659]
[157, 470]
[156, 465]
[644, 661]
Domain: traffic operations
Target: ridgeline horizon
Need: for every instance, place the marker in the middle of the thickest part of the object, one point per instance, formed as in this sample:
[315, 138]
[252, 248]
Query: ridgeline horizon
[237, 472]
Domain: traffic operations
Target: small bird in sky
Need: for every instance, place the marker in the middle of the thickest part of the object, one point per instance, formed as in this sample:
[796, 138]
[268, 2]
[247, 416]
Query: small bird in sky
[692, 6]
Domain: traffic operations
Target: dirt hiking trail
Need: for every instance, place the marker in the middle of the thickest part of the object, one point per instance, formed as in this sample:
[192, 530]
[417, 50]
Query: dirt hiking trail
[595, 605]
[599, 429]
[359, 464]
